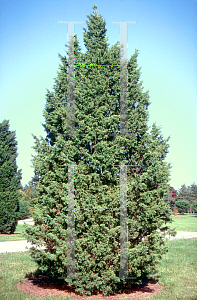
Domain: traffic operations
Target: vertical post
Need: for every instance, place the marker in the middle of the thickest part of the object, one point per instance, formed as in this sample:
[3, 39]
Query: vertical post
[71, 90]
[123, 80]
[123, 38]
[70, 225]
[123, 272]
[123, 170]
[70, 132]
[71, 82]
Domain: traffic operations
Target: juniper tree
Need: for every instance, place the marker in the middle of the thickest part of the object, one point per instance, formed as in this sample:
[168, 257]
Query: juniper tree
[94, 155]
[9, 179]
[193, 196]
[182, 193]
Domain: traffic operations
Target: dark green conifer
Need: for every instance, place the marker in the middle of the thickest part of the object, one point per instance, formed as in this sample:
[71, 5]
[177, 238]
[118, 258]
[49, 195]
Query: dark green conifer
[9, 179]
[97, 150]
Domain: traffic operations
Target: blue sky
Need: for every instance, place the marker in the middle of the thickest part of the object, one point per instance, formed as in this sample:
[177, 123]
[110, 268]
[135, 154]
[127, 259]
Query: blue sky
[165, 34]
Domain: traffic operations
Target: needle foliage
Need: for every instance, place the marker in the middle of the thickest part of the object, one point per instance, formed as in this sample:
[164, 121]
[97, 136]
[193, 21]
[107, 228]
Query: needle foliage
[10, 178]
[97, 150]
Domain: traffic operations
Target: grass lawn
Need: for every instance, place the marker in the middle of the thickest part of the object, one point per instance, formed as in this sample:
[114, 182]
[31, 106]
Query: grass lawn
[187, 222]
[177, 273]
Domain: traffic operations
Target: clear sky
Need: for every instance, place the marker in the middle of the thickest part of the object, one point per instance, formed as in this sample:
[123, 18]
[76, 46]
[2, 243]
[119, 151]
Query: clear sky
[166, 36]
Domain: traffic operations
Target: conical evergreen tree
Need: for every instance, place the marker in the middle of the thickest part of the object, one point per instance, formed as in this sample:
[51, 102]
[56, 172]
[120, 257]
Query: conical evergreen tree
[97, 151]
[193, 196]
[9, 180]
[182, 193]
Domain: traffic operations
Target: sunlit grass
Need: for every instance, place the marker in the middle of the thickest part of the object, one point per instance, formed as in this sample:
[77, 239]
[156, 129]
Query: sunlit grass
[187, 222]
[178, 269]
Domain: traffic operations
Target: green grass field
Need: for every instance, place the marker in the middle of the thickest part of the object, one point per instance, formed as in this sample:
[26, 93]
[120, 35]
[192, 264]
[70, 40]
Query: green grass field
[187, 222]
[177, 271]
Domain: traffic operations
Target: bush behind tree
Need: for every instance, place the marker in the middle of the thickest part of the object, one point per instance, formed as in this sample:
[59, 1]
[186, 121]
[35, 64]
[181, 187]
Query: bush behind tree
[182, 206]
[24, 210]
[28, 199]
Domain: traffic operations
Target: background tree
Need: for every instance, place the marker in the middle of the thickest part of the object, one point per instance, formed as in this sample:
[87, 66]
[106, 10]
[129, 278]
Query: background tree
[182, 205]
[188, 194]
[194, 207]
[97, 151]
[171, 197]
[9, 179]
[192, 193]
[28, 199]
[24, 202]
[182, 193]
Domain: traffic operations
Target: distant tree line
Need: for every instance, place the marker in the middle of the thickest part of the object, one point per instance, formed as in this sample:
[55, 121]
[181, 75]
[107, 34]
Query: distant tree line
[183, 200]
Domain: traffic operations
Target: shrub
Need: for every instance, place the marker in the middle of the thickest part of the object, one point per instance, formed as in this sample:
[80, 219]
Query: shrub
[175, 211]
[182, 206]
[24, 210]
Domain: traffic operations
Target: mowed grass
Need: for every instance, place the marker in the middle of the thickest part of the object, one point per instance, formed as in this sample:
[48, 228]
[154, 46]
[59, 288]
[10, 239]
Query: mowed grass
[178, 269]
[187, 222]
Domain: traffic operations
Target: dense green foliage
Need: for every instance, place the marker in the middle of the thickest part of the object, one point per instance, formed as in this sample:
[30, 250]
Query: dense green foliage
[171, 197]
[24, 211]
[28, 199]
[188, 194]
[9, 179]
[182, 205]
[96, 151]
